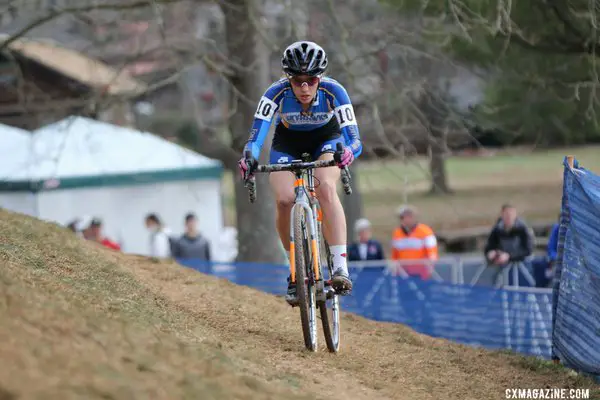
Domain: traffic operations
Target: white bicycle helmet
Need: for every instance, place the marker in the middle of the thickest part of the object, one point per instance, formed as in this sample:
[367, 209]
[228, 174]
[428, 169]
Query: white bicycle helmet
[304, 58]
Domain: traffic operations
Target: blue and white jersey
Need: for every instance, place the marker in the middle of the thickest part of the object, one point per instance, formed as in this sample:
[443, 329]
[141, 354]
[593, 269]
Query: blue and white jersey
[280, 104]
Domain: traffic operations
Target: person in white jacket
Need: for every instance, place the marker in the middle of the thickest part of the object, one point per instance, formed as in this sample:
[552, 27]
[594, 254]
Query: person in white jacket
[160, 245]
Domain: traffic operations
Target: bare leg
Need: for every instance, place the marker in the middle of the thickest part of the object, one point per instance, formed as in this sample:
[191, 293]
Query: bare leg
[282, 184]
[334, 223]
[334, 219]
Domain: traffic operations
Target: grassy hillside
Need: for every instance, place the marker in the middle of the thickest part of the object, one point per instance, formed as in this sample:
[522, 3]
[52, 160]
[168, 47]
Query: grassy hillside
[80, 322]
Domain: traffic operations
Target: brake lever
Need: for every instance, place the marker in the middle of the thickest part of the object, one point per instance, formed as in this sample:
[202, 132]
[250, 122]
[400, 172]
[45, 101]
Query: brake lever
[347, 171]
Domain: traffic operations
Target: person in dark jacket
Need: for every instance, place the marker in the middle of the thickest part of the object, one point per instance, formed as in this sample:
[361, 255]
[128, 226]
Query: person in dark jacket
[366, 249]
[510, 241]
[191, 244]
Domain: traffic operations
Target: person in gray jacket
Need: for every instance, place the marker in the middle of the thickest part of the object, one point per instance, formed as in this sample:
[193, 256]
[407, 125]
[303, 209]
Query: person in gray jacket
[191, 244]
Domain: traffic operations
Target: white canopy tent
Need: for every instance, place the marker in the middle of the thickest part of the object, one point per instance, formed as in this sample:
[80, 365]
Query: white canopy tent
[80, 166]
[14, 148]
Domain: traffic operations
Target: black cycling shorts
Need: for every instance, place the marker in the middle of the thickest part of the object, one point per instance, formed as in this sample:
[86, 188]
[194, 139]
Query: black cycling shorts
[289, 145]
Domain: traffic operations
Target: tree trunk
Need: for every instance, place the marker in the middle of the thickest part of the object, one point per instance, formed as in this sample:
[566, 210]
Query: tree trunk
[257, 236]
[299, 20]
[434, 117]
[437, 164]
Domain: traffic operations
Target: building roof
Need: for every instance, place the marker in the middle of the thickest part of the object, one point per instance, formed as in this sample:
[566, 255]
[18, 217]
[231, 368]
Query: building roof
[76, 65]
[82, 152]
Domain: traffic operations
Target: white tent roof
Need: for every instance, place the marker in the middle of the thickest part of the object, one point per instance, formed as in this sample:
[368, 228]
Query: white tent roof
[14, 143]
[83, 147]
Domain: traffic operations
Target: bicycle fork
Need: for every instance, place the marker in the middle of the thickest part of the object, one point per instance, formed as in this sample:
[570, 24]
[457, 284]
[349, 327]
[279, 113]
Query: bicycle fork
[311, 240]
[313, 219]
[323, 287]
[302, 201]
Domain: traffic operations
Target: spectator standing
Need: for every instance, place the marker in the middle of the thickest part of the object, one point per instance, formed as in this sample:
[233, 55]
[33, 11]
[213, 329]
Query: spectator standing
[192, 244]
[159, 243]
[366, 248]
[93, 231]
[72, 226]
[510, 240]
[414, 244]
[82, 227]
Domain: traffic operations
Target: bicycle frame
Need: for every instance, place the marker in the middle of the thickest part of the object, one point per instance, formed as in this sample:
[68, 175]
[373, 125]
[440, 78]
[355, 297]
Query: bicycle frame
[319, 290]
[306, 198]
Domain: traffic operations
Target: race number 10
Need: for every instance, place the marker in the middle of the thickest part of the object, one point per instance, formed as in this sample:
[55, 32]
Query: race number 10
[345, 115]
[265, 110]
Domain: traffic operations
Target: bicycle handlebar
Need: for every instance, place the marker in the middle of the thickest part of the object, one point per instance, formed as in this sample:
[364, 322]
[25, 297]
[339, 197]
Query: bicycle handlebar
[293, 167]
[250, 182]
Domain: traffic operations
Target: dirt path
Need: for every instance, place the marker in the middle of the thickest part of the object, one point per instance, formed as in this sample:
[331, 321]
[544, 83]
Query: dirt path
[377, 360]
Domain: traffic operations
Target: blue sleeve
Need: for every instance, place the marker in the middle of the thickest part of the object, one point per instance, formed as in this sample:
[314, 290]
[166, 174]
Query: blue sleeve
[263, 117]
[553, 243]
[344, 112]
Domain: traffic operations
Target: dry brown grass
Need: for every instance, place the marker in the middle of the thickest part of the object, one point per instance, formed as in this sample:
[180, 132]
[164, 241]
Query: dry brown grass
[468, 208]
[77, 321]
[530, 180]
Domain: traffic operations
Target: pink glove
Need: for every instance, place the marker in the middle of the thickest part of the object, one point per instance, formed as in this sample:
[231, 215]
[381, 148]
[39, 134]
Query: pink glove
[243, 167]
[347, 158]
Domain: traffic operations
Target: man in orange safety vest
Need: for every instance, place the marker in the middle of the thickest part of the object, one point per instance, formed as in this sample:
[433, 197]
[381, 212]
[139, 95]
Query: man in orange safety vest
[414, 244]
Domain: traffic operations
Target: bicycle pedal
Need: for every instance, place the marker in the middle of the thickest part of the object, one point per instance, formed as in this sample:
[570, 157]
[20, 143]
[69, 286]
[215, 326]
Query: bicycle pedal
[339, 286]
[292, 303]
[343, 292]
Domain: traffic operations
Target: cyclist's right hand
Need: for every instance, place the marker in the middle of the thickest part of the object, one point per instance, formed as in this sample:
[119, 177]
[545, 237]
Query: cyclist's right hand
[246, 166]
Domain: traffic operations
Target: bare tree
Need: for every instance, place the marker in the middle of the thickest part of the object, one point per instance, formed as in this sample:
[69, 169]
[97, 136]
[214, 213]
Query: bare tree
[256, 225]
[376, 55]
[434, 115]
[239, 65]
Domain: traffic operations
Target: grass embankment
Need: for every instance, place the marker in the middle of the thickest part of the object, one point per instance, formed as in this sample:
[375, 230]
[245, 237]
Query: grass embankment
[77, 321]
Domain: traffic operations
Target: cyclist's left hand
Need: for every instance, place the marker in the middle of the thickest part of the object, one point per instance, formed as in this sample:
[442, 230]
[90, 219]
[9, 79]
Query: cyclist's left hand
[247, 167]
[347, 158]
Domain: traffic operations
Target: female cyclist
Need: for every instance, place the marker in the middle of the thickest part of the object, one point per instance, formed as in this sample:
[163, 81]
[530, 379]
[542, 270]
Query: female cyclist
[304, 104]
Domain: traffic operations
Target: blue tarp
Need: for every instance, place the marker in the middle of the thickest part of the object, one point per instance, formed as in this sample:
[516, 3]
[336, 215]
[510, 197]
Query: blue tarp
[474, 315]
[563, 322]
[576, 291]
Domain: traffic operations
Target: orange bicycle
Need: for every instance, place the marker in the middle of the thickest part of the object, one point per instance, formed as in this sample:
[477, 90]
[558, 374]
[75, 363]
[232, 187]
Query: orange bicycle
[314, 290]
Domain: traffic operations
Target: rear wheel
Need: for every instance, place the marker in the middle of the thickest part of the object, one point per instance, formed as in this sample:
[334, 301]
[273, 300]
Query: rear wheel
[304, 287]
[330, 311]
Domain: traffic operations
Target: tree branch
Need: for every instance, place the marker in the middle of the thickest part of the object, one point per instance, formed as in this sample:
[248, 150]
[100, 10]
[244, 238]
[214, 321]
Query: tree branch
[565, 21]
[72, 10]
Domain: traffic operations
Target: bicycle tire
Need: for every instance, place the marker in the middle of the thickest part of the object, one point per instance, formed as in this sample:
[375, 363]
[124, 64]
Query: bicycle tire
[303, 287]
[330, 316]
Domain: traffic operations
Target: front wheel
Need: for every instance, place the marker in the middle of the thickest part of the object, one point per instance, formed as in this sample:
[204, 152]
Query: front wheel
[330, 316]
[305, 290]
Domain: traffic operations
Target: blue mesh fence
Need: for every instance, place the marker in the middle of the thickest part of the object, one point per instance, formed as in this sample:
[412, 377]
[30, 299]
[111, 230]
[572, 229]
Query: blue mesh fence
[576, 291]
[517, 319]
[475, 315]
[563, 322]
